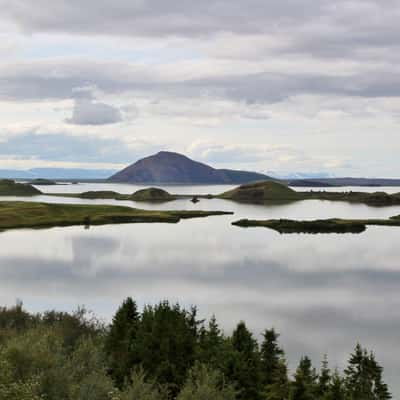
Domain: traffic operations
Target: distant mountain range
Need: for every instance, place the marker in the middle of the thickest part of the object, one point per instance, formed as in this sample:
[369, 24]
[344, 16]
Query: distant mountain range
[56, 173]
[173, 168]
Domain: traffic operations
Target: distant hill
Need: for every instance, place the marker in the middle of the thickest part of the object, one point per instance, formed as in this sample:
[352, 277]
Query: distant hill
[167, 168]
[56, 173]
[322, 182]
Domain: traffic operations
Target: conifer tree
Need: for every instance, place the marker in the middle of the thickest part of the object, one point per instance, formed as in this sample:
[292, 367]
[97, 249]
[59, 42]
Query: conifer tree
[324, 378]
[118, 345]
[279, 387]
[364, 377]
[304, 386]
[246, 371]
[336, 388]
[271, 356]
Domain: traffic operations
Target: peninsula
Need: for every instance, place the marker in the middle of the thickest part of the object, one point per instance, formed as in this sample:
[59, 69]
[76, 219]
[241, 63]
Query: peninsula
[23, 214]
[333, 225]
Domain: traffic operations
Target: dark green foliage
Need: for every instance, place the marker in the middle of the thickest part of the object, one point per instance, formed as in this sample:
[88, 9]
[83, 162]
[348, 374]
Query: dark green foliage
[364, 377]
[119, 341]
[304, 386]
[315, 226]
[162, 353]
[246, 369]
[166, 343]
[271, 356]
[324, 378]
[274, 375]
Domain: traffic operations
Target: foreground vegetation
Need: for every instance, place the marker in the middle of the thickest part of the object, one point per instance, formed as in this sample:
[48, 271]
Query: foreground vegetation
[161, 353]
[333, 225]
[21, 214]
[275, 192]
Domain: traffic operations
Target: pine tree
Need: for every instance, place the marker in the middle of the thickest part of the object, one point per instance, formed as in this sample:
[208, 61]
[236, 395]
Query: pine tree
[324, 378]
[279, 387]
[118, 345]
[364, 377]
[304, 386]
[336, 388]
[166, 343]
[380, 390]
[246, 369]
[271, 356]
[273, 367]
[211, 345]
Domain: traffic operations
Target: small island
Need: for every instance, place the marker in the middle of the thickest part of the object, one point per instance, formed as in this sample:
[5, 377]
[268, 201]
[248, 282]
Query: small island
[22, 214]
[272, 192]
[332, 225]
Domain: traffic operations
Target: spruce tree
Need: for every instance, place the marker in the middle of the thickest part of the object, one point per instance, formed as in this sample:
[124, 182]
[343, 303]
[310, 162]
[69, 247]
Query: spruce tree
[304, 386]
[324, 378]
[211, 345]
[246, 369]
[279, 387]
[364, 377]
[118, 344]
[336, 388]
[271, 356]
[166, 343]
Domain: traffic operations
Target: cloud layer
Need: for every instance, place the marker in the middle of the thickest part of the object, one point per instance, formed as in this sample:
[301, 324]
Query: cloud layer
[299, 75]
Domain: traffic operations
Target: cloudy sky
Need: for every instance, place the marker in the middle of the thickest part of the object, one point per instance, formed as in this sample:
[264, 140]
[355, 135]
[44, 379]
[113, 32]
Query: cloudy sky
[290, 86]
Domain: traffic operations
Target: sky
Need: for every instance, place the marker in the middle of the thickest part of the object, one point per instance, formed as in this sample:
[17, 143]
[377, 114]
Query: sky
[295, 86]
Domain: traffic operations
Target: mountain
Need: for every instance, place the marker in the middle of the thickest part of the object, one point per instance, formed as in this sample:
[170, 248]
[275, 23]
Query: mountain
[56, 173]
[167, 168]
[321, 182]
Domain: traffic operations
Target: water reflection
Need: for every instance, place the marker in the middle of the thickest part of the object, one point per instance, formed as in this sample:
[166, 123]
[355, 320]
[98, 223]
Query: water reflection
[324, 292]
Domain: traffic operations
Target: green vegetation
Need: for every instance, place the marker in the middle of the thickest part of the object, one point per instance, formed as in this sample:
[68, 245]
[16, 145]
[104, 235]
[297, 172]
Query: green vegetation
[333, 225]
[152, 194]
[42, 182]
[163, 353]
[100, 194]
[275, 192]
[262, 192]
[11, 188]
[20, 214]
[145, 195]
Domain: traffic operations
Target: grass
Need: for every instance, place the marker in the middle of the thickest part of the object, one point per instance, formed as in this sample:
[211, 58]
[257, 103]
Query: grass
[152, 194]
[275, 192]
[11, 188]
[333, 225]
[262, 192]
[145, 195]
[21, 214]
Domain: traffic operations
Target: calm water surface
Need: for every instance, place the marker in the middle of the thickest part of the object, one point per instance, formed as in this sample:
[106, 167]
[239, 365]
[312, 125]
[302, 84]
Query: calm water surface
[322, 292]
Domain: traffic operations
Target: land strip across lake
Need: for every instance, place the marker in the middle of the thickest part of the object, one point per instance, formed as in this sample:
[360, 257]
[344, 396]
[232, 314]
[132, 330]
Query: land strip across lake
[23, 214]
[332, 225]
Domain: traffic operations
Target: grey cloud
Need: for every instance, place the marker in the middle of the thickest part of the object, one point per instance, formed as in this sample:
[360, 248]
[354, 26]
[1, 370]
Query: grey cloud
[57, 80]
[60, 146]
[89, 112]
[323, 27]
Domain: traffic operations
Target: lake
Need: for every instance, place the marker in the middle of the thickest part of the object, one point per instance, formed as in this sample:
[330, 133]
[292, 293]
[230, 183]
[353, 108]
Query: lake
[324, 293]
